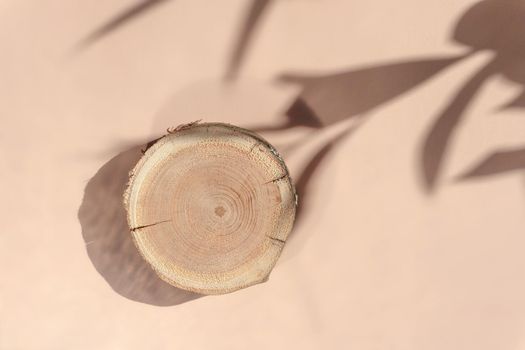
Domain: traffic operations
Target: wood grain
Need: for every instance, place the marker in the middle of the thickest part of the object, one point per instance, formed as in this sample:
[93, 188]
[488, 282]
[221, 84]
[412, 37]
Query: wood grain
[210, 206]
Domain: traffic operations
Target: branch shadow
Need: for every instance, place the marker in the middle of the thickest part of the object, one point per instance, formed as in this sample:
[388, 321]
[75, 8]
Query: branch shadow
[108, 241]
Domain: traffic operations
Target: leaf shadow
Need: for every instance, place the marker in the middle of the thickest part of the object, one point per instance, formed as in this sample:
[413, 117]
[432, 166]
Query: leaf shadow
[496, 26]
[327, 99]
[438, 139]
[499, 162]
[253, 17]
[518, 102]
[116, 22]
[310, 170]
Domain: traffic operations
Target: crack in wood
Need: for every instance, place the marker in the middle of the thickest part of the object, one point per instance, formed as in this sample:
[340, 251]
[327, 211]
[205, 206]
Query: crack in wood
[276, 239]
[149, 225]
[255, 145]
[282, 177]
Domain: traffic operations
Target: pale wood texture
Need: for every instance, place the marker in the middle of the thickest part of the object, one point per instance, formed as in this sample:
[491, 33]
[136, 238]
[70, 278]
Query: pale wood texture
[210, 207]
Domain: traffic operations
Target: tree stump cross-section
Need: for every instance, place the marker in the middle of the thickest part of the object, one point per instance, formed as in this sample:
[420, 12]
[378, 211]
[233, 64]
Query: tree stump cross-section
[210, 206]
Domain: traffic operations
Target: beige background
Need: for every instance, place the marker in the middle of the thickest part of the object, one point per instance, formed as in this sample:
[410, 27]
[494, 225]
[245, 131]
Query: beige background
[379, 259]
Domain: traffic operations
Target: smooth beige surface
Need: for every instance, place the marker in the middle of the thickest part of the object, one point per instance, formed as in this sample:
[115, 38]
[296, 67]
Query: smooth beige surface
[376, 261]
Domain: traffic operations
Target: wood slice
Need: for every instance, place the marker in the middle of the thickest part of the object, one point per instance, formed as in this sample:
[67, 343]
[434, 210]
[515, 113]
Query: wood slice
[210, 207]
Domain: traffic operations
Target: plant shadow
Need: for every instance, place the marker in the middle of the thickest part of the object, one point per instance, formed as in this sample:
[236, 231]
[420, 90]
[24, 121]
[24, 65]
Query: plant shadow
[253, 16]
[496, 26]
[490, 25]
[497, 163]
[325, 99]
[108, 240]
[119, 20]
[493, 25]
